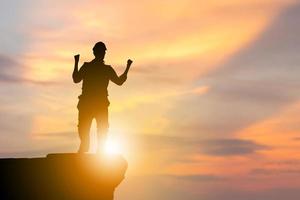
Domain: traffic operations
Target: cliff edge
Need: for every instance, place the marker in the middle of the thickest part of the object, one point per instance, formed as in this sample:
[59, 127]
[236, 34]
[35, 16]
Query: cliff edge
[61, 177]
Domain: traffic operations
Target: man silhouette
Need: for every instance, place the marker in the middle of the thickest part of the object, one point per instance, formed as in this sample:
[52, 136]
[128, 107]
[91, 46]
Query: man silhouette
[93, 102]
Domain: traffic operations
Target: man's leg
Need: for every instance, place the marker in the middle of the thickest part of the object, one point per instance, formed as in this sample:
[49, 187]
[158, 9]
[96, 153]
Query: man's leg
[102, 127]
[85, 119]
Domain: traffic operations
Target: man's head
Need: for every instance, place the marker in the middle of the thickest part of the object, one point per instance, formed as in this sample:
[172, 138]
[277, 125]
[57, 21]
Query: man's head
[99, 50]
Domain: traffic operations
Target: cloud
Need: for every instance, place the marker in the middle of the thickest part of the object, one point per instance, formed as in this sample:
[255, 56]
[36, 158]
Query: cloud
[18, 80]
[197, 178]
[56, 135]
[155, 187]
[9, 65]
[36, 151]
[164, 187]
[8, 120]
[231, 147]
[254, 84]
[11, 71]
[268, 172]
[211, 147]
[275, 193]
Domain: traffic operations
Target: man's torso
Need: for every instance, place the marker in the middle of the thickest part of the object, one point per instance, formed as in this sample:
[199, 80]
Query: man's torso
[96, 76]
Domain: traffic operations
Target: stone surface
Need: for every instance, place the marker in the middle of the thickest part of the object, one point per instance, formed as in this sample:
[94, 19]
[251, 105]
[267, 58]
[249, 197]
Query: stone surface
[61, 177]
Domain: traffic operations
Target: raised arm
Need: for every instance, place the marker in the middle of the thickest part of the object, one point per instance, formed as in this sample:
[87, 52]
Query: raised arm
[76, 75]
[119, 80]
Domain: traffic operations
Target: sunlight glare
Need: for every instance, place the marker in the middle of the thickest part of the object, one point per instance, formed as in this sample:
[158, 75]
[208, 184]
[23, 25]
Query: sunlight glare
[112, 146]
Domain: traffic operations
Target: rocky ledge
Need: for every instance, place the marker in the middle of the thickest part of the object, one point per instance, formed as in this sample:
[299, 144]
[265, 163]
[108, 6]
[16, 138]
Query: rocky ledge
[61, 177]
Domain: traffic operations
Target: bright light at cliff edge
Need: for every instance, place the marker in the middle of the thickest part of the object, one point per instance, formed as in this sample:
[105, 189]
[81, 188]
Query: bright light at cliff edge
[112, 146]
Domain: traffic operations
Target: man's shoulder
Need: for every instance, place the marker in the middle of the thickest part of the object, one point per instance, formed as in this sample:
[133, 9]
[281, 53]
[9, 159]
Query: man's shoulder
[87, 64]
[108, 67]
[91, 64]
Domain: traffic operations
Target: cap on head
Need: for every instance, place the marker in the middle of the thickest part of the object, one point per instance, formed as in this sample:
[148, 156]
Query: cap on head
[99, 46]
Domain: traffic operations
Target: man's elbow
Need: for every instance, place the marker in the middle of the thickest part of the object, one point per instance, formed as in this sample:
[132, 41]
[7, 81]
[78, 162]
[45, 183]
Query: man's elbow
[119, 83]
[122, 80]
[76, 79]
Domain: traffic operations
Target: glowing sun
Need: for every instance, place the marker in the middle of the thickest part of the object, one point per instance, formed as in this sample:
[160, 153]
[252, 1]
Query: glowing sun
[112, 146]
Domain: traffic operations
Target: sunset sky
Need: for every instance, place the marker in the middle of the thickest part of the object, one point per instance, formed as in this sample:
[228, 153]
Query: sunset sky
[211, 106]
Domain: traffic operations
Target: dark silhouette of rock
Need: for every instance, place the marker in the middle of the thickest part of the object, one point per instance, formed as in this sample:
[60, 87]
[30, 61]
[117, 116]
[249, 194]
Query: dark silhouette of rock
[61, 177]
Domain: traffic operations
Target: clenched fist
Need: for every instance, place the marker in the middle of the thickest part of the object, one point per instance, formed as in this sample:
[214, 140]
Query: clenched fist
[76, 57]
[129, 62]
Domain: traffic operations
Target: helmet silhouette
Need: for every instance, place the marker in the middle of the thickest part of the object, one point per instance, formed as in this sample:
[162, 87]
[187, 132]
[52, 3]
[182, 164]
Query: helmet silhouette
[99, 46]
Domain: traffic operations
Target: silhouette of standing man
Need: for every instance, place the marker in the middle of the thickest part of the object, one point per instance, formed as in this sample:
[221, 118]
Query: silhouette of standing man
[93, 102]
